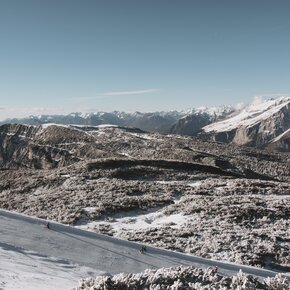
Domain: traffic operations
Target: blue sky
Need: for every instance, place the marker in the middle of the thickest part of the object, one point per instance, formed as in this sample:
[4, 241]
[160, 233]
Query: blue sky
[62, 56]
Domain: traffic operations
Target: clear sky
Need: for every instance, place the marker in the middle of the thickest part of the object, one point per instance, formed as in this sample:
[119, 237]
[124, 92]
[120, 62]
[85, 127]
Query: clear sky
[61, 56]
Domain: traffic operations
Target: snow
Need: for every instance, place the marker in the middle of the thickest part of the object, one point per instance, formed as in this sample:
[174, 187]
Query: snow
[167, 181]
[214, 111]
[195, 184]
[106, 126]
[126, 154]
[280, 136]
[140, 221]
[249, 116]
[45, 126]
[144, 136]
[27, 270]
[33, 257]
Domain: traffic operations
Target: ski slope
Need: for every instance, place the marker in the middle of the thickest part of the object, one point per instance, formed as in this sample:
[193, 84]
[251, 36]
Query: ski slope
[57, 258]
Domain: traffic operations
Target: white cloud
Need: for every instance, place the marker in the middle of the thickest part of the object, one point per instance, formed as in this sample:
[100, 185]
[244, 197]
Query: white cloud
[240, 106]
[257, 100]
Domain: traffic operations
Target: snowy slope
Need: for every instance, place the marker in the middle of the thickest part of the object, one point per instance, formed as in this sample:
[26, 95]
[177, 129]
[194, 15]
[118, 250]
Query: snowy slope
[255, 125]
[27, 238]
[27, 270]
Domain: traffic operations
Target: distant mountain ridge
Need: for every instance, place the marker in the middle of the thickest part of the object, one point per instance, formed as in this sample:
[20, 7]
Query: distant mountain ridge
[264, 124]
[161, 122]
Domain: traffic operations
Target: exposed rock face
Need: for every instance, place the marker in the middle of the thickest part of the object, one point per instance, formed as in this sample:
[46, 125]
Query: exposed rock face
[255, 126]
[191, 125]
[281, 143]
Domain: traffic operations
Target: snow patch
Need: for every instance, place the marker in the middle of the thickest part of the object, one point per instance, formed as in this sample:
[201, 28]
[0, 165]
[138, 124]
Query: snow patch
[136, 222]
[280, 136]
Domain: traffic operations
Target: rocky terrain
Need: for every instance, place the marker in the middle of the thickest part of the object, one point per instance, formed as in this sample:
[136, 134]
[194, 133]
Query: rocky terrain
[177, 192]
[181, 278]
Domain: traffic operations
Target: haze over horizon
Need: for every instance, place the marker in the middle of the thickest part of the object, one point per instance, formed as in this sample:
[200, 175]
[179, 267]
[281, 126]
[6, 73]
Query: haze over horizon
[69, 56]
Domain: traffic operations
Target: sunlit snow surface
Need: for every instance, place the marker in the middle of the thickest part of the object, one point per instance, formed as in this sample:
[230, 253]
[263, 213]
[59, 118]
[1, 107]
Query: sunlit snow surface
[137, 222]
[26, 270]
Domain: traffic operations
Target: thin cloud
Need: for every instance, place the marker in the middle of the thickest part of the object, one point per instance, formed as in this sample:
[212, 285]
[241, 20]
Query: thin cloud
[128, 93]
[116, 94]
[2, 108]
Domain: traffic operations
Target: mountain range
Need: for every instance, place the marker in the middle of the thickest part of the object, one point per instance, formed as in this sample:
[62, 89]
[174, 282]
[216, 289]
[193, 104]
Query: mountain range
[262, 124]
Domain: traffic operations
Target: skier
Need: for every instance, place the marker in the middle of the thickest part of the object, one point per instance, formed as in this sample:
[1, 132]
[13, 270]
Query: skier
[143, 249]
[48, 225]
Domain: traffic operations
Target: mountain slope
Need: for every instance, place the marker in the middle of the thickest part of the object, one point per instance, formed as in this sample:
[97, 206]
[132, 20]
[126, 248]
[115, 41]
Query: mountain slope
[255, 125]
[192, 123]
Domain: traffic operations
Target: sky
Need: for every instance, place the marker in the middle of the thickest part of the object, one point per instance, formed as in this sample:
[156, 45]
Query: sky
[62, 56]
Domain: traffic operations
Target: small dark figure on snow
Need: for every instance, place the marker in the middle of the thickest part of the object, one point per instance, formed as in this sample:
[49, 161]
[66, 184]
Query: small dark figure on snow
[48, 225]
[143, 249]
